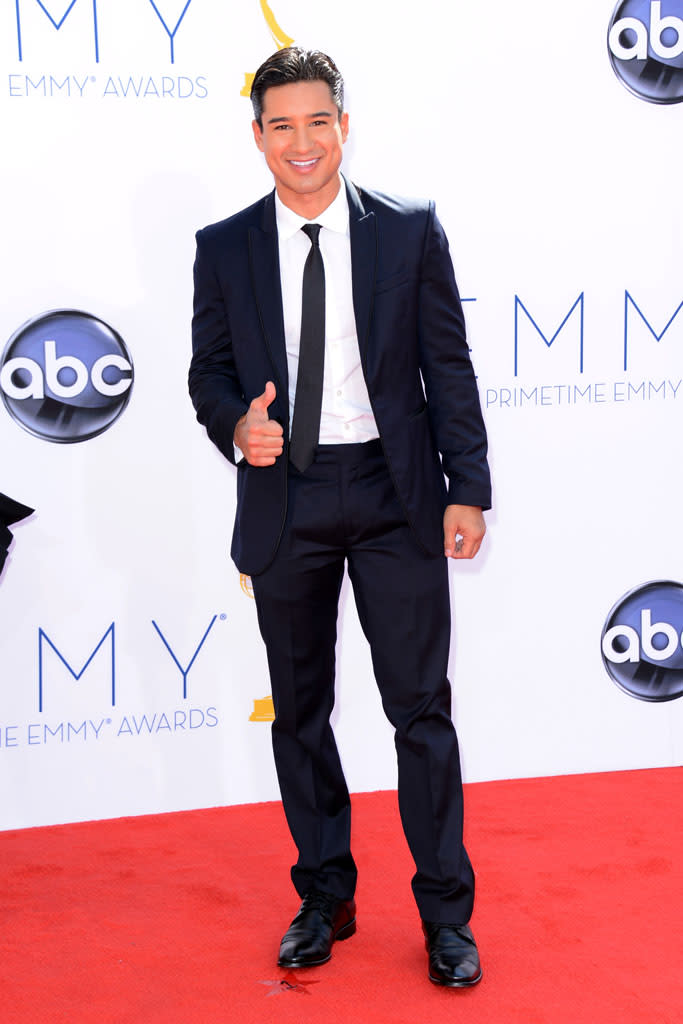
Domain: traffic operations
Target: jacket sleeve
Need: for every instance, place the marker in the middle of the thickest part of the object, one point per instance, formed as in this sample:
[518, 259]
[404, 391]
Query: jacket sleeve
[450, 384]
[213, 382]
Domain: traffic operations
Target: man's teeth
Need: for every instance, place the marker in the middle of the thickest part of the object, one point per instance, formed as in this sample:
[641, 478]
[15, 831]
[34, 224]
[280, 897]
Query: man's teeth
[302, 163]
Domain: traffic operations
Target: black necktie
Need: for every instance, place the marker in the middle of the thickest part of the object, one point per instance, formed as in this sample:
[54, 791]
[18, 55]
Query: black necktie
[309, 380]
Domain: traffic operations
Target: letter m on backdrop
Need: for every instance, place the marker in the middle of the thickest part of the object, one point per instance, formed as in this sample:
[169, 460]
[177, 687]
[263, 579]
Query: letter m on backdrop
[520, 305]
[43, 639]
[630, 301]
[56, 22]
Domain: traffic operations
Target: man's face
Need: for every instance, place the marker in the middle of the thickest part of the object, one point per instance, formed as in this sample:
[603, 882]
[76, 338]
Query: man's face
[302, 139]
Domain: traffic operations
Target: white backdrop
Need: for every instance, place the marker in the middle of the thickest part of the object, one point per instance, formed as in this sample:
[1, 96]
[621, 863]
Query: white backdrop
[553, 183]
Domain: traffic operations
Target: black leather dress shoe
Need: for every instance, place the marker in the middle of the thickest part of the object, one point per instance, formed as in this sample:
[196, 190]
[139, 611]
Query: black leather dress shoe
[453, 956]
[321, 920]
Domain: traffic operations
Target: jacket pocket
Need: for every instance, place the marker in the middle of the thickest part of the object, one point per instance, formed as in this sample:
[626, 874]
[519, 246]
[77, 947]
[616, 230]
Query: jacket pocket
[394, 281]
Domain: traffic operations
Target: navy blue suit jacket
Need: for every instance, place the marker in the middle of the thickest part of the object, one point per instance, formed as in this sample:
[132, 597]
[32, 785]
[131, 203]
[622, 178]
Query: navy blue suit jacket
[413, 351]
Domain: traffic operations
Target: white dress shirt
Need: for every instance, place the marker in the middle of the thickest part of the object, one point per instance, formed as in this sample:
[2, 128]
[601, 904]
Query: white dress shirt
[346, 413]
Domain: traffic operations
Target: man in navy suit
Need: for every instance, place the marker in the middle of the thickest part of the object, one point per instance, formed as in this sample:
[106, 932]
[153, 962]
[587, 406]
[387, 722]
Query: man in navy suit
[397, 411]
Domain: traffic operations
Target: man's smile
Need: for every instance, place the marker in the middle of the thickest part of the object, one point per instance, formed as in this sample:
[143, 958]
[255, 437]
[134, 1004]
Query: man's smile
[305, 165]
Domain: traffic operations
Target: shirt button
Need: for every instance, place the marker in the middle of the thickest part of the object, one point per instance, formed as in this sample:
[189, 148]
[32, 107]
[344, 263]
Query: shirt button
[339, 392]
[346, 426]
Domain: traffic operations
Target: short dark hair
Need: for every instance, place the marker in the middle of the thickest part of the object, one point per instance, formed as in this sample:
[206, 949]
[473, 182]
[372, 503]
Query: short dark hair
[294, 64]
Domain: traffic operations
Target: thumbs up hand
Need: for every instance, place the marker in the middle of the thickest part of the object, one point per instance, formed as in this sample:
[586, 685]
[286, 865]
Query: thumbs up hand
[259, 438]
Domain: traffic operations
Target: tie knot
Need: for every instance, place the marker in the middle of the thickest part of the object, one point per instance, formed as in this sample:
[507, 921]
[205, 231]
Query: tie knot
[312, 230]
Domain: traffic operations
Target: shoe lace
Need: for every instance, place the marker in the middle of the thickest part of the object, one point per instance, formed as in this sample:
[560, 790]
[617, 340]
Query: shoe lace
[322, 901]
[445, 936]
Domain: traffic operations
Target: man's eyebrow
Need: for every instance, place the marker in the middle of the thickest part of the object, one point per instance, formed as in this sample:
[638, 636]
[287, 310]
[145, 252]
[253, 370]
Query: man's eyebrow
[318, 113]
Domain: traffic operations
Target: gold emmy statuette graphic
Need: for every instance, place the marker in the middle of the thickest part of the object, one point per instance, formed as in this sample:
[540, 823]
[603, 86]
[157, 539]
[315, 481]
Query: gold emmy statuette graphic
[245, 583]
[263, 710]
[280, 38]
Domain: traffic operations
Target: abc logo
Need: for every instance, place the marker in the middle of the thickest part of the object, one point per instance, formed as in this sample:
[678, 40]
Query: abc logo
[642, 642]
[65, 376]
[645, 42]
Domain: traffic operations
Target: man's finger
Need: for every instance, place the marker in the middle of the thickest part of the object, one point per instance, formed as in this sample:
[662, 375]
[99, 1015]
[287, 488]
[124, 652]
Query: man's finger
[465, 548]
[261, 403]
[261, 443]
[264, 430]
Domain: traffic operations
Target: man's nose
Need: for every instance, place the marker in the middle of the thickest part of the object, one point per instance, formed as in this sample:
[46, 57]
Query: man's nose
[302, 139]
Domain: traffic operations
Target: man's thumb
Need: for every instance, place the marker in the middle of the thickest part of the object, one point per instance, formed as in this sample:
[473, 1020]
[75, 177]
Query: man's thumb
[263, 401]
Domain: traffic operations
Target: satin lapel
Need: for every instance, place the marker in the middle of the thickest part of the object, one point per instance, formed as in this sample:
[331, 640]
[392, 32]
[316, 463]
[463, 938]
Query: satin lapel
[264, 265]
[363, 231]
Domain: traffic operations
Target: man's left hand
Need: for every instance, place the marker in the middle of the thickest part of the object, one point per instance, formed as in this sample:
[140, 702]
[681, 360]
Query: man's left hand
[463, 530]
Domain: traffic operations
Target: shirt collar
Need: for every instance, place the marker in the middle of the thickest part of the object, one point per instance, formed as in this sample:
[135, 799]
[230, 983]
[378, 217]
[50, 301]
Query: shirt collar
[334, 218]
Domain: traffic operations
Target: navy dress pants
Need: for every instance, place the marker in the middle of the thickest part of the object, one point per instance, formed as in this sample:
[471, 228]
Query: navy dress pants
[344, 511]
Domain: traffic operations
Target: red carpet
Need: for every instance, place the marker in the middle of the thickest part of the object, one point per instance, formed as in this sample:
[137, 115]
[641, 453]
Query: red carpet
[177, 917]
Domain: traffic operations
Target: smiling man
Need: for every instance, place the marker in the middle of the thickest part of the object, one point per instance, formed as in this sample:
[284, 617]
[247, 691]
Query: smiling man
[330, 365]
[303, 146]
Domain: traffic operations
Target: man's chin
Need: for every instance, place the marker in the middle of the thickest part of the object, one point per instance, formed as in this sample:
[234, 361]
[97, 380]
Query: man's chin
[305, 184]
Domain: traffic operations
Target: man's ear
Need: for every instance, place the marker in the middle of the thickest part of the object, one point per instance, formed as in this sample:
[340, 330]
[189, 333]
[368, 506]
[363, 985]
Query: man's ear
[344, 123]
[258, 134]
